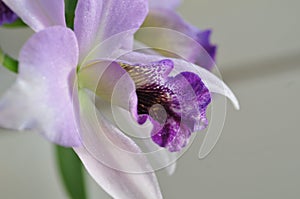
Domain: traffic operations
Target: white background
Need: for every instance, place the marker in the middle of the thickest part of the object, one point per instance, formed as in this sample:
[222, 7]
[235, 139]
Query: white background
[258, 153]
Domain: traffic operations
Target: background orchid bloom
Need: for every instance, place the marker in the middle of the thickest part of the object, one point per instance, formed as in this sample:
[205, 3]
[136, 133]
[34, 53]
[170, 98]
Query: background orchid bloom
[55, 89]
[6, 15]
[195, 48]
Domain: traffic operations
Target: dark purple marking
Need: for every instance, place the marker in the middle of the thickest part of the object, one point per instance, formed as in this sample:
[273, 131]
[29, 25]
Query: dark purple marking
[175, 105]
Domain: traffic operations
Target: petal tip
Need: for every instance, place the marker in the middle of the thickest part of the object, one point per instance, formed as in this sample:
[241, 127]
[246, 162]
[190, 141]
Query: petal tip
[233, 99]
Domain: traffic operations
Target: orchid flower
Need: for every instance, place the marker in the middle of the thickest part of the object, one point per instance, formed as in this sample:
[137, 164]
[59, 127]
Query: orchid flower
[68, 78]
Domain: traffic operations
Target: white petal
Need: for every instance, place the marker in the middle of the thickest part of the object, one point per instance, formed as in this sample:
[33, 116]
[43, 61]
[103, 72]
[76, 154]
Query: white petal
[113, 160]
[159, 157]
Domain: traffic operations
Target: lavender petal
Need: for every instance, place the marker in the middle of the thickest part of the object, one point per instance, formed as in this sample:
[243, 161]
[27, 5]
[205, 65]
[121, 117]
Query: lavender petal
[42, 97]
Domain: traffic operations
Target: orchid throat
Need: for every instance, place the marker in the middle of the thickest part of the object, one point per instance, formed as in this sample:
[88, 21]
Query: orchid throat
[176, 106]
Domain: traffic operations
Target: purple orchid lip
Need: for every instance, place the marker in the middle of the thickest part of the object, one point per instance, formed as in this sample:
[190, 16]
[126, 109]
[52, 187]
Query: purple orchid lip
[6, 14]
[176, 106]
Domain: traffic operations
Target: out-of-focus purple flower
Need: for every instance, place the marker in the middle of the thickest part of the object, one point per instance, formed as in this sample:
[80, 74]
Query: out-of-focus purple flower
[196, 47]
[6, 14]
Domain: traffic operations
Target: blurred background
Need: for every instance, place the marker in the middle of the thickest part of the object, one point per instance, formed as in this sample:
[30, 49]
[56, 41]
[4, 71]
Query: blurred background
[257, 155]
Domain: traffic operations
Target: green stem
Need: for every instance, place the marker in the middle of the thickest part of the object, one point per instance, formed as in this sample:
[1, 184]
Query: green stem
[8, 62]
[71, 170]
[70, 6]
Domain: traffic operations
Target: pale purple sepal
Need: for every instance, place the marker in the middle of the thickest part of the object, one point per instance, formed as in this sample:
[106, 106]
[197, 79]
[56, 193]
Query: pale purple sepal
[7, 16]
[42, 97]
[87, 24]
[120, 16]
[39, 14]
[96, 21]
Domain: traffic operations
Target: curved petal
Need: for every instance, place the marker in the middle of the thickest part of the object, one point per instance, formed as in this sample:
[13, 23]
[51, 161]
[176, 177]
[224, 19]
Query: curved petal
[177, 38]
[39, 14]
[213, 83]
[159, 157]
[41, 98]
[172, 4]
[116, 17]
[112, 159]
